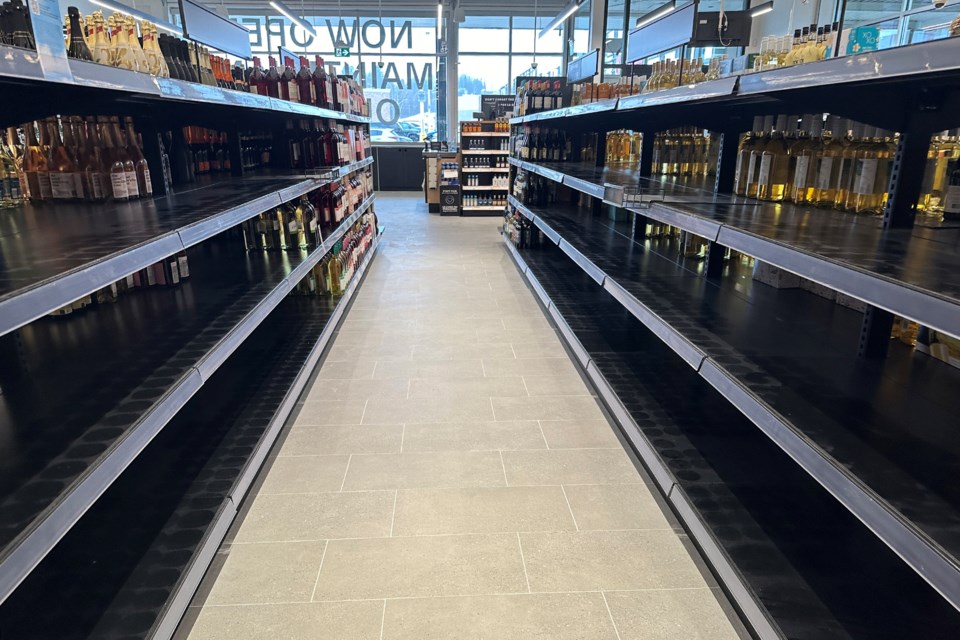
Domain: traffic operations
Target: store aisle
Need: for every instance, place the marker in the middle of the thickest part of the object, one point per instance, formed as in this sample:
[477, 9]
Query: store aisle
[449, 476]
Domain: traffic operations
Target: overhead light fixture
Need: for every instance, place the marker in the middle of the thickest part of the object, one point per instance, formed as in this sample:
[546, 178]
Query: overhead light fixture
[656, 14]
[761, 9]
[559, 20]
[439, 20]
[289, 15]
[139, 15]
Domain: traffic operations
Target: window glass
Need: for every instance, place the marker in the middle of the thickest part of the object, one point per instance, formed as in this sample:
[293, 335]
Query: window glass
[521, 65]
[613, 34]
[485, 34]
[526, 31]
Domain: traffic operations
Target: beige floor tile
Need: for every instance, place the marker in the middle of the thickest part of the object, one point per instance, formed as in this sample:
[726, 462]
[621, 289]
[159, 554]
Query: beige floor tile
[318, 516]
[420, 410]
[554, 616]
[355, 339]
[439, 469]
[691, 614]
[487, 510]
[270, 572]
[609, 560]
[551, 348]
[569, 466]
[429, 369]
[547, 408]
[333, 439]
[338, 620]
[568, 384]
[345, 390]
[525, 321]
[615, 506]
[466, 387]
[421, 566]
[505, 367]
[348, 370]
[498, 334]
[305, 474]
[579, 434]
[477, 350]
[339, 411]
[472, 436]
[350, 353]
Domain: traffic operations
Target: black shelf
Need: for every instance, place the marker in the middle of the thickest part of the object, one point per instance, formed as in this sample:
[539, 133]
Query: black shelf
[20, 68]
[52, 255]
[794, 561]
[909, 272]
[136, 578]
[67, 448]
[852, 85]
[874, 433]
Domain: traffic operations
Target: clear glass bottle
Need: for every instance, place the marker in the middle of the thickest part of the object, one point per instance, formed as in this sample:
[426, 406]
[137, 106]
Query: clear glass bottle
[113, 161]
[144, 184]
[35, 164]
[747, 145]
[756, 156]
[848, 164]
[96, 187]
[803, 160]
[774, 170]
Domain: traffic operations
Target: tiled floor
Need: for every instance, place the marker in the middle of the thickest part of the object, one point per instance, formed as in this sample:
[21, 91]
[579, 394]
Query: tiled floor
[450, 476]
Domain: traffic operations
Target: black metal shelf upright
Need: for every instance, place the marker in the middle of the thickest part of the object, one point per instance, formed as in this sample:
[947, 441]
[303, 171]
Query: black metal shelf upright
[100, 406]
[861, 416]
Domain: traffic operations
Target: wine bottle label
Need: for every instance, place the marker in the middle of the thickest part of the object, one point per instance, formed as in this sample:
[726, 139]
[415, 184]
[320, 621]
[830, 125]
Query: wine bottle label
[61, 185]
[276, 225]
[951, 201]
[293, 227]
[866, 175]
[313, 226]
[765, 161]
[174, 271]
[151, 276]
[824, 171]
[800, 175]
[133, 191]
[118, 183]
[183, 266]
[751, 167]
[146, 182]
[294, 91]
[254, 89]
[43, 181]
[79, 189]
[538, 102]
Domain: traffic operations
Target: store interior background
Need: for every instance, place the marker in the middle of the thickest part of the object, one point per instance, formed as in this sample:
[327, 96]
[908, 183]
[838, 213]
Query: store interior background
[395, 49]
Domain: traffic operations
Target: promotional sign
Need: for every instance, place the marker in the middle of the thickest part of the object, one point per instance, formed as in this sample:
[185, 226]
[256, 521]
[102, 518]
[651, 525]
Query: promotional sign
[495, 106]
[450, 199]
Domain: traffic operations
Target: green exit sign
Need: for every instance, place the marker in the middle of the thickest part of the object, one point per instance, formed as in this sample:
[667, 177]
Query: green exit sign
[342, 52]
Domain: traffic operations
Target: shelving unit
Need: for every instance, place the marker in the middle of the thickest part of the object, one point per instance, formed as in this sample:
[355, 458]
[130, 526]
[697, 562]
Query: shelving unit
[100, 406]
[482, 204]
[819, 392]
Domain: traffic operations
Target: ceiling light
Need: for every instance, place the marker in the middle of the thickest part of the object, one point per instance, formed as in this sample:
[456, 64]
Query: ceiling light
[300, 22]
[656, 14]
[139, 15]
[761, 9]
[556, 22]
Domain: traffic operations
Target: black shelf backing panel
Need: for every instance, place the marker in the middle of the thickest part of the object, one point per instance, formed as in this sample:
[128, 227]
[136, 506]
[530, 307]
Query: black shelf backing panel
[131, 576]
[886, 422]
[909, 272]
[818, 572]
[72, 444]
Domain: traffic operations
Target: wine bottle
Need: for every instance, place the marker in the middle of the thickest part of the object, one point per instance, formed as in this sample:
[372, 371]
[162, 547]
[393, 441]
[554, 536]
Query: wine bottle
[289, 89]
[144, 185]
[77, 47]
[272, 82]
[113, 161]
[305, 87]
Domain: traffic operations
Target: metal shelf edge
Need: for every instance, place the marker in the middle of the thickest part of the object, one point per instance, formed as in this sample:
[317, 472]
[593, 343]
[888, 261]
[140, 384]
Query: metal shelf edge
[34, 545]
[922, 554]
[673, 339]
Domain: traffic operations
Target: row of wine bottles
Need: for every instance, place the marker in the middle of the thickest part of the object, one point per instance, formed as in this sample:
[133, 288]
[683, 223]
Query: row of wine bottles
[302, 224]
[114, 41]
[16, 28]
[66, 158]
[333, 274]
[169, 272]
[317, 87]
[535, 96]
[533, 189]
[542, 145]
[313, 144]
